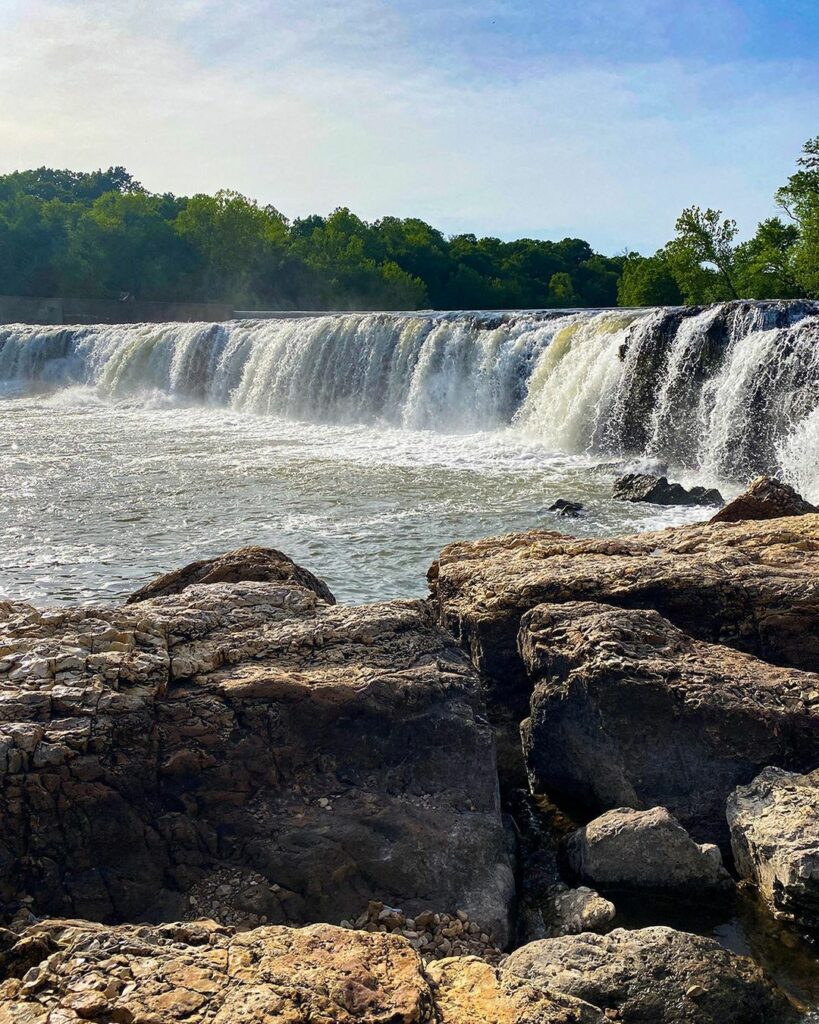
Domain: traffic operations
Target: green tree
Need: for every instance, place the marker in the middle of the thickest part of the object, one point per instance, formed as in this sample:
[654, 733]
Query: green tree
[702, 255]
[648, 281]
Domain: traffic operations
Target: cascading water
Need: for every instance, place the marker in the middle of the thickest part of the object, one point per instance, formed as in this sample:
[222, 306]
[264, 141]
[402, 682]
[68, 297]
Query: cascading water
[727, 391]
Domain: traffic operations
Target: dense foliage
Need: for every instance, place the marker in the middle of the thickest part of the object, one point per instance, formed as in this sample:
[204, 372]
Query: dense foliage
[102, 235]
[703, 263]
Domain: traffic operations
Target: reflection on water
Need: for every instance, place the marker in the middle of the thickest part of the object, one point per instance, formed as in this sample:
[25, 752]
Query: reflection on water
[740, 924]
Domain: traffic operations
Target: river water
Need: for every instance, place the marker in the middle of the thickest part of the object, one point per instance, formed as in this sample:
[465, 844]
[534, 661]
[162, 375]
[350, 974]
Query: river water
[361, 444]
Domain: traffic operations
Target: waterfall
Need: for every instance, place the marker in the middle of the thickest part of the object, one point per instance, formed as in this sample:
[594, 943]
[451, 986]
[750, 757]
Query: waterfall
[726, 391]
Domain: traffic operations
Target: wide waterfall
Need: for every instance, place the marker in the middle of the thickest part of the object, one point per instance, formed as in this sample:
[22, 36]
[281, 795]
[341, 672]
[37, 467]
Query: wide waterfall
[727, 391]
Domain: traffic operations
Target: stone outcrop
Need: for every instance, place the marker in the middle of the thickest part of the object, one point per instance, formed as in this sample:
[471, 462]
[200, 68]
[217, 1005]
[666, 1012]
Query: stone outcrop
[566, 509]
[774, 824]
[629, 711]
[658, 491]
[625, 848]
[63, 972]
[765, 498]
[246, 749]
[752, 586]
[654, 975]
[262, 565]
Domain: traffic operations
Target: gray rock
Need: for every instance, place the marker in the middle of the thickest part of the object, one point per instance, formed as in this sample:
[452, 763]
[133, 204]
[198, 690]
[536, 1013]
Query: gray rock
[653, 976]
[324, 754]
[774, 824]
[629, 711]
[566, 509]
[658, 491]
[625, 848]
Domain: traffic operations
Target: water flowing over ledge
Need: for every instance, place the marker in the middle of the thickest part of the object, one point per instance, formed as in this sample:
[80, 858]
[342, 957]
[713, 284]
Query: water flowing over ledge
[728, 391]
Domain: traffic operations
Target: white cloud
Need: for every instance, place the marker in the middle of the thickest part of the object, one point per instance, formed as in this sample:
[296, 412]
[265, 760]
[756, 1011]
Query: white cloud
[311, 105]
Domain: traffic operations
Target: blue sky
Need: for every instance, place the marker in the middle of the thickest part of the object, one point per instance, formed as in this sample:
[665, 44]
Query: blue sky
[600, 119]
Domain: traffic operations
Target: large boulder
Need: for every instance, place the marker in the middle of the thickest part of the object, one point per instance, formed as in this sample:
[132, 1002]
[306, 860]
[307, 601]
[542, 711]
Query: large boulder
[658, 491]
[64, 972]
[765, 498]
[654, 975]
[630, 849]
[627, 710]
[753, 586]
[774, 824]
[264, 565]
[249, 751]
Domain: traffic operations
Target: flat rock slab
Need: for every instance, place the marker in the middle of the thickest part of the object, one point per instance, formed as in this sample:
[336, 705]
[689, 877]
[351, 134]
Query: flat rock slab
[654, 975]
[61, 972]
[774, 824]
[626, 848]
[247, 751]
[753, 586]
[629, 711]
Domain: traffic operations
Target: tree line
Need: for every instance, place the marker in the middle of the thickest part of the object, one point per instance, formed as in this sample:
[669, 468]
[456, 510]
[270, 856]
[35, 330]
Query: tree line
[102, 235]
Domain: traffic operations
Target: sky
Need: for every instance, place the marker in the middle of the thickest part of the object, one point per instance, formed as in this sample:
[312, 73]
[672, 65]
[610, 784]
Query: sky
[598, 119]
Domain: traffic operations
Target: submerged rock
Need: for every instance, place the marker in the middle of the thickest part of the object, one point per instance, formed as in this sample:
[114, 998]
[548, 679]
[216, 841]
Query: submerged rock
[654, 975]
[765, 498]
[658, 491]
[774, 824]
[625, 848]
[263, 565]
[629, 711]
[566, 509]
[153, 755]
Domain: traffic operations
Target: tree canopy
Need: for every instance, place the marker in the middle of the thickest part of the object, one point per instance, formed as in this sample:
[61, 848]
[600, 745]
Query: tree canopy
[100, 234]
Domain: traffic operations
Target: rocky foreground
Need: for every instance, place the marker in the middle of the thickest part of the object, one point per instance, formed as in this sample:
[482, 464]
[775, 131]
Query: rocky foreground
[234, 800]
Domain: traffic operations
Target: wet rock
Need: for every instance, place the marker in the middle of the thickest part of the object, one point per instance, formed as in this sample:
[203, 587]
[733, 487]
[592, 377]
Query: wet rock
[653, 974]
[766, 498]
[625, 848]
[245, 750]
[657, 490]
[547, 906]
[566, 509]
[262, 565]
[629, 711]
[774, 824]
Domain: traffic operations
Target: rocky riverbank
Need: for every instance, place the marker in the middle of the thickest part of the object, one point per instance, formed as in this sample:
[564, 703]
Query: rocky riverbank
[449, 781]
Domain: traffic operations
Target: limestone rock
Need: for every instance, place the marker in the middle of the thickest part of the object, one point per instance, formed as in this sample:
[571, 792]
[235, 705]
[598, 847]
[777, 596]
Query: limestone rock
[263, 565]
[765, 498]
[629, 711]
[774, 824]
[655, 975]
[469, 991]
[658, 491]
[625, 848]
[245, 749]
[202, 973]
[753, 586]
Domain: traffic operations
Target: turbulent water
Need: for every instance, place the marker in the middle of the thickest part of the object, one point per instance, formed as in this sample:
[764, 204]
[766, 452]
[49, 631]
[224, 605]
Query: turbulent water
[362, 443]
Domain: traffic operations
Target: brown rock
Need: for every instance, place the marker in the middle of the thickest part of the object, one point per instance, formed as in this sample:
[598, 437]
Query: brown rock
[765, 499]
[262, 565]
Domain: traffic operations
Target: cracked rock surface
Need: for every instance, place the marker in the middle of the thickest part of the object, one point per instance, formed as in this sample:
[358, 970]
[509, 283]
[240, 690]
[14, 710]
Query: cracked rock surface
[330, 754]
